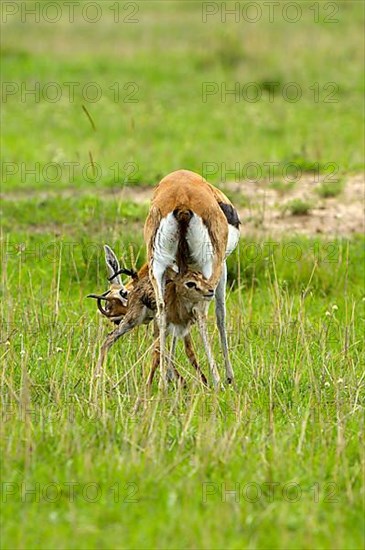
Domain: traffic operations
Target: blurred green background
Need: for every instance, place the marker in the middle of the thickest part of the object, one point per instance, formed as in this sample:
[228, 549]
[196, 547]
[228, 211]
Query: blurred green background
[148, 104]
[77, 172]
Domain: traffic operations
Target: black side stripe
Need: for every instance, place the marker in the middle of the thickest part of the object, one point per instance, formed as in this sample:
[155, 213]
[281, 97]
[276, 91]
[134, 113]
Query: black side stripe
[230, 213]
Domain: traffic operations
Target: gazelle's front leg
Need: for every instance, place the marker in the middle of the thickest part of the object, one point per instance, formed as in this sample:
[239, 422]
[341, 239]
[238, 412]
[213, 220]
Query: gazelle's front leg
[125, 326]
[172, 372]
[202, 325]
[220, 312]
[189, 350]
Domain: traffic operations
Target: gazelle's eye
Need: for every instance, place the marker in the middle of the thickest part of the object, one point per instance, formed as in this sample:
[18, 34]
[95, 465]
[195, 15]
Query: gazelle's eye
[123, 293]
[190, 284]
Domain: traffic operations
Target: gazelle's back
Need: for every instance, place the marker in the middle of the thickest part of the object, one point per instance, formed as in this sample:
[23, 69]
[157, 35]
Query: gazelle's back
[185, 190]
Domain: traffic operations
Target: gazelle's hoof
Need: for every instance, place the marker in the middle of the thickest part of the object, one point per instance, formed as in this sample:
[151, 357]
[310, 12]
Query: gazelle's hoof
[170, 375]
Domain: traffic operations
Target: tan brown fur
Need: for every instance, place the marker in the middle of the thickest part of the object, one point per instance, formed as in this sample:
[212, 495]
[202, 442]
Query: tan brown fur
[182, 191]
[179, 195]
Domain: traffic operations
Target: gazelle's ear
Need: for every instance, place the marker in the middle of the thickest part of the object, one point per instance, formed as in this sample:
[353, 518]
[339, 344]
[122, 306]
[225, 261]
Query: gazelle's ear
[112, 265]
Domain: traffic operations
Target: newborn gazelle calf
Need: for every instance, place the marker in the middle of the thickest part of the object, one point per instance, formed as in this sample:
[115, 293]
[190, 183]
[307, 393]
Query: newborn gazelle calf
[183, 294]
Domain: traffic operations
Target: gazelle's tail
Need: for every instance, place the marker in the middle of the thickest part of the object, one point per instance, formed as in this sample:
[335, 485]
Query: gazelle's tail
[183, 217]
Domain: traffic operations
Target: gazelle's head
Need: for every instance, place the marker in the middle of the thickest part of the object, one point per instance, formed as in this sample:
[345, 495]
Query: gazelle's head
[116, 298]
[193, 287]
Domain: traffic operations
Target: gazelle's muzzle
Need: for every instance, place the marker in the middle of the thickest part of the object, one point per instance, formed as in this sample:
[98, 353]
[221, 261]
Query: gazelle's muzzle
[117, 305]
[209, 295]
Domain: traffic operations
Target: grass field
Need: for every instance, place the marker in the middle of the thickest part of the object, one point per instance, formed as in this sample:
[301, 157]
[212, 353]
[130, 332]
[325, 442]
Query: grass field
[276, 462]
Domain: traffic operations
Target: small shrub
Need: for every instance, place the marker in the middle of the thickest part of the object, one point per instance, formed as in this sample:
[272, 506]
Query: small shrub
[330, 189]
[298, 207]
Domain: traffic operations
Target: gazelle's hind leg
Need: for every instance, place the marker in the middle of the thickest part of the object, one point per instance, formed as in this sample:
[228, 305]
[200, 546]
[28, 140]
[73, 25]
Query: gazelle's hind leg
[202, 325]
[161, 255]
[220, 312]
[158, 281]
[172, 372]
[189, 350]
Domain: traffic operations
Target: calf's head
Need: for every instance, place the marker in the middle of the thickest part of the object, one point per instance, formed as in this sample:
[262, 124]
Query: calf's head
[113, 303]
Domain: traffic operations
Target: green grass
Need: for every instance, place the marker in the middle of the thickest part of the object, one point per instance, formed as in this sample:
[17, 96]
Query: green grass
[281, 187]
[169, 55]
[151, 470]
[71, 215]
[293, 425]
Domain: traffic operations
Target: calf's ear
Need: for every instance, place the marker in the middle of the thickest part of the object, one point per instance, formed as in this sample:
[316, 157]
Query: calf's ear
[112, 265]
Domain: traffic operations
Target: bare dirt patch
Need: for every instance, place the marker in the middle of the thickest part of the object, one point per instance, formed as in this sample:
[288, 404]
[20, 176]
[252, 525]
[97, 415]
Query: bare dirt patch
[267, 210]
[264, 210]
